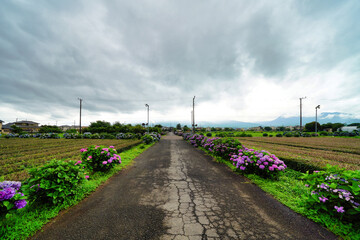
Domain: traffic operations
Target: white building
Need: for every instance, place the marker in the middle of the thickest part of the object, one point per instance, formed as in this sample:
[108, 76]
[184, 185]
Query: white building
[348, 128]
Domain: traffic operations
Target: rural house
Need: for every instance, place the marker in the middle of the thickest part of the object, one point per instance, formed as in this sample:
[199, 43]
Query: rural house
[26, 126]
[1, 121]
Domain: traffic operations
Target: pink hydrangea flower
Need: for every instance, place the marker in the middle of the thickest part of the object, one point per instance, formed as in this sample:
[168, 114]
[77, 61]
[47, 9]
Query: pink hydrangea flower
[87, 177]
[78, 162]
[104, 162]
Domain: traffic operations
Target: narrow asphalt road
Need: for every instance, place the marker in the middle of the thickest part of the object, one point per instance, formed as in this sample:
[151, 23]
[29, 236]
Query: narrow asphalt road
[174, 191]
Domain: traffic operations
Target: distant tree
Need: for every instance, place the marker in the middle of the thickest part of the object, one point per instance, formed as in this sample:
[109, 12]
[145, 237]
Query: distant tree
[16, 129]
[49, 129]
[155, 129]
[158, 126]
[186, 128]
[354, 124]
[139, 129]
[178, 126]
[71, 130]
[118, 127]
[268, 129]
[280, 128]
[310, 127]
[100, 127]
[336, 126]
[326, 125]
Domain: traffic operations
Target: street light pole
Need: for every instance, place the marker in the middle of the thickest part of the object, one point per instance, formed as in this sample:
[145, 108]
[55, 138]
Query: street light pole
[193, 115]
[147, 105]
[316, 108]
[301, 113]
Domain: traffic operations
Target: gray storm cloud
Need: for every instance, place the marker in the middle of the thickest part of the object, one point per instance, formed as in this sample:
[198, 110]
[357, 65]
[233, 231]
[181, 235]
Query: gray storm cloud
[119, 54]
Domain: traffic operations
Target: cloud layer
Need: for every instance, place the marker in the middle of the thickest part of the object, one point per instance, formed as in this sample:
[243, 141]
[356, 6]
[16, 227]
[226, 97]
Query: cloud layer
[246, 61]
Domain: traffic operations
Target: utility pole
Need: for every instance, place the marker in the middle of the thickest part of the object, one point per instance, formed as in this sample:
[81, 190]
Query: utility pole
[193, 112]
[316, 108]
[80, 112]
[301, 113]
[147, 105]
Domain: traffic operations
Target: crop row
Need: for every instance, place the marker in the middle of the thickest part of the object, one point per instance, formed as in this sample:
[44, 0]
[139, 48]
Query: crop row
[18, 155]
[346, 145]
[315, 157]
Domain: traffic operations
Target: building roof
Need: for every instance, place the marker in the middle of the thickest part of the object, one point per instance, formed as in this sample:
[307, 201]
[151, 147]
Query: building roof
[1, 121]
[25, 121]
[8, 125]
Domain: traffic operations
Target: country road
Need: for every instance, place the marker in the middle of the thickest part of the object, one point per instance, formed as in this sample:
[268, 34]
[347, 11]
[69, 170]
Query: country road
[174, 191]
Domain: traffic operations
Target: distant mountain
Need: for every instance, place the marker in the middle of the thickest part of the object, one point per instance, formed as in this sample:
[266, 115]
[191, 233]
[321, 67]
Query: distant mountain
[230, 124]
[323, 117]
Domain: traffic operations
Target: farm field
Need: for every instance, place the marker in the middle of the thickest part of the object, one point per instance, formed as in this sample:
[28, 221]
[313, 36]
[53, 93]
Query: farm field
[344, 152]
[19, 155]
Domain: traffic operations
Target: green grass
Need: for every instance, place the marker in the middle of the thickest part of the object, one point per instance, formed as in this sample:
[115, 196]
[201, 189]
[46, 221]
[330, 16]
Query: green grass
[290, 191]
[26, 222]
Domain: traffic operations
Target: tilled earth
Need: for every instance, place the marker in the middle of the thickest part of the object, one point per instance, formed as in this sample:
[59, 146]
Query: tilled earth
[174, 191]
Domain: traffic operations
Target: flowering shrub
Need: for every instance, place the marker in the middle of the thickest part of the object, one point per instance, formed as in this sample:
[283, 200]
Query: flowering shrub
[152, 137]
[11, 135]
[54, 182]
[26, 135]
[247, 160]
[69, 135]
[87, 135]
[95, 136]
[49, 135]
[10, 197]
[99, 158]
[223, 147]
[125, 136]
[106, 135]
[261, 163]
[336, 191]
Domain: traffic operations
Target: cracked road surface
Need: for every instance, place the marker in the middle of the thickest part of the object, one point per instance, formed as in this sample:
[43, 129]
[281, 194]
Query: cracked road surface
[174, 191]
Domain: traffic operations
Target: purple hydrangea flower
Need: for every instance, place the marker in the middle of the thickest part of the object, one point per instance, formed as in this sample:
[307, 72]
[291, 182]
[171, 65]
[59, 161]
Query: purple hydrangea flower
[20, 204]
[12, 184]
[323, 199]
[7, 193]
[339, 209]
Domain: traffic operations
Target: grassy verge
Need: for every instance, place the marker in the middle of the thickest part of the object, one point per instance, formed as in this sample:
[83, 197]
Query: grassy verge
[290, 191]
[29, 220]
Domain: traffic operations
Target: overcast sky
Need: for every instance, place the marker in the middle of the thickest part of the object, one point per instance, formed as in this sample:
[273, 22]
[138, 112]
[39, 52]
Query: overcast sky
[243, 60]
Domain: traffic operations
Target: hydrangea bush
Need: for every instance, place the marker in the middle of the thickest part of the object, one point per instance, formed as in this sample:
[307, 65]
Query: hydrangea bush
[54, 182]
[49, 136]
[334, 190]
[246, 160]
[99, 158]
[10, 197]
[152, 137]
[261, 163]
